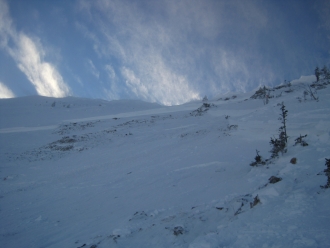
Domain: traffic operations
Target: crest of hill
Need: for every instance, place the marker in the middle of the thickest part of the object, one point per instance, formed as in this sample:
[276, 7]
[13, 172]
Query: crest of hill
[26, 111]
[296, 84]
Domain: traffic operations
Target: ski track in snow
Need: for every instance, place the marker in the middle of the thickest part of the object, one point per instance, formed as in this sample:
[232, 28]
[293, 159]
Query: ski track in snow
[199, 165]
[169, 177]
[26, 129]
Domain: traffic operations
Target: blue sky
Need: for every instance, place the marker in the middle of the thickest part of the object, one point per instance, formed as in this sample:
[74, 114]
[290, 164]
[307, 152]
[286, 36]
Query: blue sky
[165, 51]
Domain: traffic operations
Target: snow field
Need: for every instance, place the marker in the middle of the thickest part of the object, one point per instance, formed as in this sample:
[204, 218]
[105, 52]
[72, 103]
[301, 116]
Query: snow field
[111, 176]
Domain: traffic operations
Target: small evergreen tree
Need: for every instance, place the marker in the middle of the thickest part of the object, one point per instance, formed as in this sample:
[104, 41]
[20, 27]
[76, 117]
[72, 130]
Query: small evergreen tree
[260, 93]
[283, 115]
[327, 173]
[300, 140]
[279, 144]
[258, 160]
[317, 73]
[205, 99]
[308, 90]
[324, 72]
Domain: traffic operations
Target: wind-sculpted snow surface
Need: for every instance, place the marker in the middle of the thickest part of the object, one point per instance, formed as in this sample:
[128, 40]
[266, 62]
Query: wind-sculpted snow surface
[133, 174]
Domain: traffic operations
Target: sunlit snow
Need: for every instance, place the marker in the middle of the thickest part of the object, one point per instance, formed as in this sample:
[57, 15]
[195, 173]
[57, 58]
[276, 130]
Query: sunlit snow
[91, 173]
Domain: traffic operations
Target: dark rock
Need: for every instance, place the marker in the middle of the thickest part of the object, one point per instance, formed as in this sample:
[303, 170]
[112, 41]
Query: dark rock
[293, 160]
[274, 179]
[256, 201]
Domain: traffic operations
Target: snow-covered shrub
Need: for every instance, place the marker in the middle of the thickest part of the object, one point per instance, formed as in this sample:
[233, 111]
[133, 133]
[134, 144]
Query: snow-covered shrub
[226, 131]
[178, 230]
[309, 91]
[261, 93]
[300, 140]
[325, 74]
[202, 109]
[258, 160]
[322, 75]
[317, 73]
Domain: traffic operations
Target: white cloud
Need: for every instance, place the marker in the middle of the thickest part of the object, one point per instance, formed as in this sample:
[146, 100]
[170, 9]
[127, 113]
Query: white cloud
[111, 72]
[5, 22]
[112, 90]
[142, 47]
[161, 84]
[29, 56]
[5, 92]
[175, 51]
[135, 84]
[43, 75]
[164, 84]
[93, 69]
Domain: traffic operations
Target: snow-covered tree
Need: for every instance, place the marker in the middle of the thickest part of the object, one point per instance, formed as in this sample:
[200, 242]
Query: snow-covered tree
[317, 73]
[279, 144]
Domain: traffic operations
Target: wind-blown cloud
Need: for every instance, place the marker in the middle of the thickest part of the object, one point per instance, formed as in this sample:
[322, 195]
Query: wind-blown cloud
[178, 50]
[5, 92]
[171, 51]
[142, 49]
[29, 55]
[168, 51]
[93, 69]
[43, 75]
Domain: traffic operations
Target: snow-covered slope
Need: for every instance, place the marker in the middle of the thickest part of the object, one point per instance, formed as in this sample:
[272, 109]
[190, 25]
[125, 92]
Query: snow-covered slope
[41, 111]
[90, 173]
